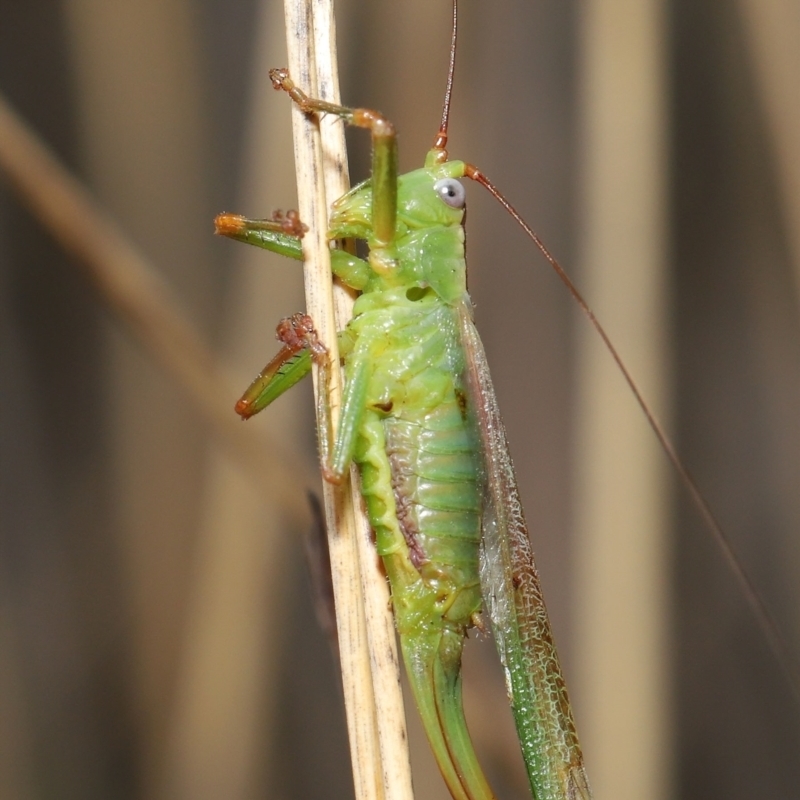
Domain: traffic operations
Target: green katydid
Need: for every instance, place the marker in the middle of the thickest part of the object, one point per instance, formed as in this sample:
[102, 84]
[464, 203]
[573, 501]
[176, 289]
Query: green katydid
[420, 419]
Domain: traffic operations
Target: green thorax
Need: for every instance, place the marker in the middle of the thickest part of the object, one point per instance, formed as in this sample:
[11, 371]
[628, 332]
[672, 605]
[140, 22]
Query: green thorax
[428, 250]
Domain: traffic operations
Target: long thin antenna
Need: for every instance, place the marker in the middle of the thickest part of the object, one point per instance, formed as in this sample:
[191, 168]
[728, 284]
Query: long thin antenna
[440, 143]
[766, 621]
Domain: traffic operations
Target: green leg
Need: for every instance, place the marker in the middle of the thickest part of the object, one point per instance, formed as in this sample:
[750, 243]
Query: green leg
[384, 157]
[353, 404]
[291, 364]
[282, 235]
[301, 348]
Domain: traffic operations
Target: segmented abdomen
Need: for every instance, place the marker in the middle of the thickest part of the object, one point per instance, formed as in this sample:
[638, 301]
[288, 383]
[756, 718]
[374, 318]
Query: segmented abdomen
[418, 455]
[434, 481]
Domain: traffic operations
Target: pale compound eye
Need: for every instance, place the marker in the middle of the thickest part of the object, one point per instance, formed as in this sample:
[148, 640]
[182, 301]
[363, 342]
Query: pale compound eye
[451, 191]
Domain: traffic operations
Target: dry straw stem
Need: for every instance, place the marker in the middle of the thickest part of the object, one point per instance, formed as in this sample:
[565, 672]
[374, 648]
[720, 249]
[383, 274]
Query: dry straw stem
[370, 672]
[132, 287]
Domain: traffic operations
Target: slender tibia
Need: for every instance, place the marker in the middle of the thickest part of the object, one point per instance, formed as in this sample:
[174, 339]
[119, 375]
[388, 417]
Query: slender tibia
[234, 225]
[384, 152]
[281, 233]
[298, 333]
[301, 347]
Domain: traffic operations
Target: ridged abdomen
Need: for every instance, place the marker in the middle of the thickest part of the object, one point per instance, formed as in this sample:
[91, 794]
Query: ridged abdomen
[418, 455]
[434, 481]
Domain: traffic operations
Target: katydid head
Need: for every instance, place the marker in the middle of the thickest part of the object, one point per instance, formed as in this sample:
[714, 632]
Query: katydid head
[427, 197]
[428, 248]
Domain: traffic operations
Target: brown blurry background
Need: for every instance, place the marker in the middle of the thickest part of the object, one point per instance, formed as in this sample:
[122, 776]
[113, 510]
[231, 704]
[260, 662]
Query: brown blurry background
[157, 637]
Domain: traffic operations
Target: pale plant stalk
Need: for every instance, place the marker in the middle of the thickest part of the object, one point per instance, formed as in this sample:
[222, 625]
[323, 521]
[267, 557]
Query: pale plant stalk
[367, 645]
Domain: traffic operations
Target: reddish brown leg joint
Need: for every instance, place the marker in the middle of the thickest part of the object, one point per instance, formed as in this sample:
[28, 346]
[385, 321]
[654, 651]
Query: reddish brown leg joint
[298, 333]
